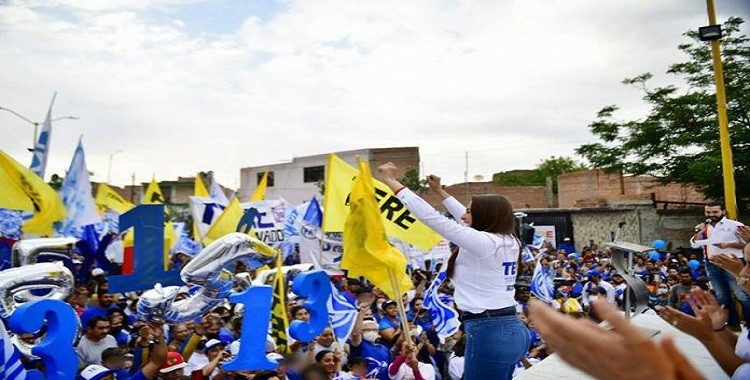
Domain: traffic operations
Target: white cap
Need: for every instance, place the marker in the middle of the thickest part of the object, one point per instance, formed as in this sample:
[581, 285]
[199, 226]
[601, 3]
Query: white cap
[566, 239]
[94, 372]
[97, 272]
[274, 356]
[213, 343]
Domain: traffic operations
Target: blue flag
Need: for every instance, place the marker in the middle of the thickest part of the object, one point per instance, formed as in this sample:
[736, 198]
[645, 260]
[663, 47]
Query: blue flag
[41, 146]
[444, 317]
[76, 194]
[313, 215]
[11, 367]
[542, 286]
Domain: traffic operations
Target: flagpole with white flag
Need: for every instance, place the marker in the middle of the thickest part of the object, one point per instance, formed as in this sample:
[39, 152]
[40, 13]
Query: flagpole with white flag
[542, 286]
[42, 141]
[77, 196]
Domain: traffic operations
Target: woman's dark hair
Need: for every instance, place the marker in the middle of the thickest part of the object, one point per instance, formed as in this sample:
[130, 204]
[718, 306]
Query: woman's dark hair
[295, 310]
[460, 347]
[319, 356]
[489, 213]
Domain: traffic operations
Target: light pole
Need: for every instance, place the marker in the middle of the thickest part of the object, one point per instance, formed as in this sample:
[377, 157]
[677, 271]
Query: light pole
[109, 169]
[35, 123]
[712, 33]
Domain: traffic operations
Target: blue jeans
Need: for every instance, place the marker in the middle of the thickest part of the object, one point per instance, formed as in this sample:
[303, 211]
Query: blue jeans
[494, 346]
[724, 284]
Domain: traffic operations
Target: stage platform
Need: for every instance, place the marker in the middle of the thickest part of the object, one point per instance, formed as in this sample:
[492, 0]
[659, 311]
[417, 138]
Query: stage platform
[555, 368]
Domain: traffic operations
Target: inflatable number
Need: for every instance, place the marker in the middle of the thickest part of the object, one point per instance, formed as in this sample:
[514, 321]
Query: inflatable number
[316, 287]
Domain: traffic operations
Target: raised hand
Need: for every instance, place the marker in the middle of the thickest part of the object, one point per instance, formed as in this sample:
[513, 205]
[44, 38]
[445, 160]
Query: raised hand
[434, 182]
[703, 300]
[625, 352]
[729, 263]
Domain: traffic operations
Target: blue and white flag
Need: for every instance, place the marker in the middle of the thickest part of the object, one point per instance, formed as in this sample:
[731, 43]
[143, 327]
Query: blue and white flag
[41, 146]
[10, 224]
[205, 211]
[76, 194]
[542, 286]
[342, 314]
[444, 317]
[217, 194]
[11, 367]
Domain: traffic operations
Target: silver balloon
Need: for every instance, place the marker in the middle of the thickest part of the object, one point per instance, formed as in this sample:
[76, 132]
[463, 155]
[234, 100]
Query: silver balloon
[27, 252]
[33, 282]
[208, 278]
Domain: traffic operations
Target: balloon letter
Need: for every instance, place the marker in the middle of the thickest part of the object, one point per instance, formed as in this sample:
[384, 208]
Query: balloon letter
[257, 301]
[56, 350]
[148, 249]
[316, 287]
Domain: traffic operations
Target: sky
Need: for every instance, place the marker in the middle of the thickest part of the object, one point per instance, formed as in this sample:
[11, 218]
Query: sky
[172, 87]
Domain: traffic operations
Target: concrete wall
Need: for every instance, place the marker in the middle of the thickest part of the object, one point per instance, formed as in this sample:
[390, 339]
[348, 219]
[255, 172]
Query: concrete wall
[643, 224]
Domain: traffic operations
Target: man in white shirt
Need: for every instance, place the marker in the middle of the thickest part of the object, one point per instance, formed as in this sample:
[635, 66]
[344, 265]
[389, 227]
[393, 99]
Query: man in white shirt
[720, 236]
[595, 280]
[94, 342]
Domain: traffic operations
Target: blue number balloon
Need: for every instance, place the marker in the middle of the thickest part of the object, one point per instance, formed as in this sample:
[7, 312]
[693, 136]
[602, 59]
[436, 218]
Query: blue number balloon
[257, 301]
[148, 252]
[316, 287]
[56, 350]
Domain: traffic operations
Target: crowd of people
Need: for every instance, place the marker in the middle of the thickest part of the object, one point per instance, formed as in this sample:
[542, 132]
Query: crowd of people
[503, 330]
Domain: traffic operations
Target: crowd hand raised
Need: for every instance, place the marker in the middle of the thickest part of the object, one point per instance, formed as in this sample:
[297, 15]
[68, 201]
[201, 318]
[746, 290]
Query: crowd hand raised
[625, 352]
[729, 263]
[724, 244]
[744, 233]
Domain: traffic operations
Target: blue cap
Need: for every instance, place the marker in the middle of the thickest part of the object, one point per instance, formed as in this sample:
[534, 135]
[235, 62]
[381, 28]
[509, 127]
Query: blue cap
[593, 272]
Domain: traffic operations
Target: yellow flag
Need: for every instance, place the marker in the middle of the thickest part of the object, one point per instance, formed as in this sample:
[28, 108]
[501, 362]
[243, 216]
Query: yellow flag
[21, 189]
[260, 191]
[279, 318]
[399, 222]
[153, 194]
[199, 190]
[226, 223]
[108, 199]
[367, 252]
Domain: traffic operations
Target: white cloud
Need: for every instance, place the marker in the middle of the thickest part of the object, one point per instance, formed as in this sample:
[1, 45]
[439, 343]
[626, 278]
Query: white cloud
[510, 82]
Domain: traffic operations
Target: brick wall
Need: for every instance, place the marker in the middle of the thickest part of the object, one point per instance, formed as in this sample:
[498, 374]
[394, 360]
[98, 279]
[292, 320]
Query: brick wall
[519, 196]
[595, 188]
[405, 158]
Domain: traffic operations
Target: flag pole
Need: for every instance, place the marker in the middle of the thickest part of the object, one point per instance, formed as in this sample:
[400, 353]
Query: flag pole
[400, 303]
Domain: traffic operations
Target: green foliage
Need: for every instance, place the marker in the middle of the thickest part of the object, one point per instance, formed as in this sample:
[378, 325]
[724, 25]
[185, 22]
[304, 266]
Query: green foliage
[56, 182]
[549, 167]
[678, 140]
[412, 181]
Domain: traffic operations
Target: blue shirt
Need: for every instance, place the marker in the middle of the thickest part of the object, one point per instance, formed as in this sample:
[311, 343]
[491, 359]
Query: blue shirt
[377, 355]
[387, 323]
[94, 311]
[139, 376]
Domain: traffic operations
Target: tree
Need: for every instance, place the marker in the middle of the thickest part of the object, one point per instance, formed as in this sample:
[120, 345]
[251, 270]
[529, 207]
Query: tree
[678, 140]
[549, 167]
[413, 182]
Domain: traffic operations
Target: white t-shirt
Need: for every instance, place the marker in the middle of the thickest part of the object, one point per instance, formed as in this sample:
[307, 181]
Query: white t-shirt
[198, 361]
[405, 372]
[485, 272]
[455, 367]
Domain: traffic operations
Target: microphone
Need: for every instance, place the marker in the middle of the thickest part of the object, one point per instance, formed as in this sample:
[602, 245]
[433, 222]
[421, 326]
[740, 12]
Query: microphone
[708, 221]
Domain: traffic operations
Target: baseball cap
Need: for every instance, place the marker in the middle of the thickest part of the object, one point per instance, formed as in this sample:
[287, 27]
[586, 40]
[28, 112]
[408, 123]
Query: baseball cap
[593, 273]
[274, 356]
[97, 272]
[94, 372]
[174, 362]
[566, 239]
[212, 343]
[387, 303]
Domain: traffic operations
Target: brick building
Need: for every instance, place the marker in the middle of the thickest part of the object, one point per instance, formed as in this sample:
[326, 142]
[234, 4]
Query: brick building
[521, 197]
[595, 188]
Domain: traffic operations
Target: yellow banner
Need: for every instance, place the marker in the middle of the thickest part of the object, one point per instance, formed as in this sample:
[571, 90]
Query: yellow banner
[398, 221]
[22, 189]
[108, 198]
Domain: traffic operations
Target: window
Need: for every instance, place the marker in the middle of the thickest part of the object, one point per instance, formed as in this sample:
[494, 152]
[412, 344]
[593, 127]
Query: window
[270, 178]
[314, 174]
